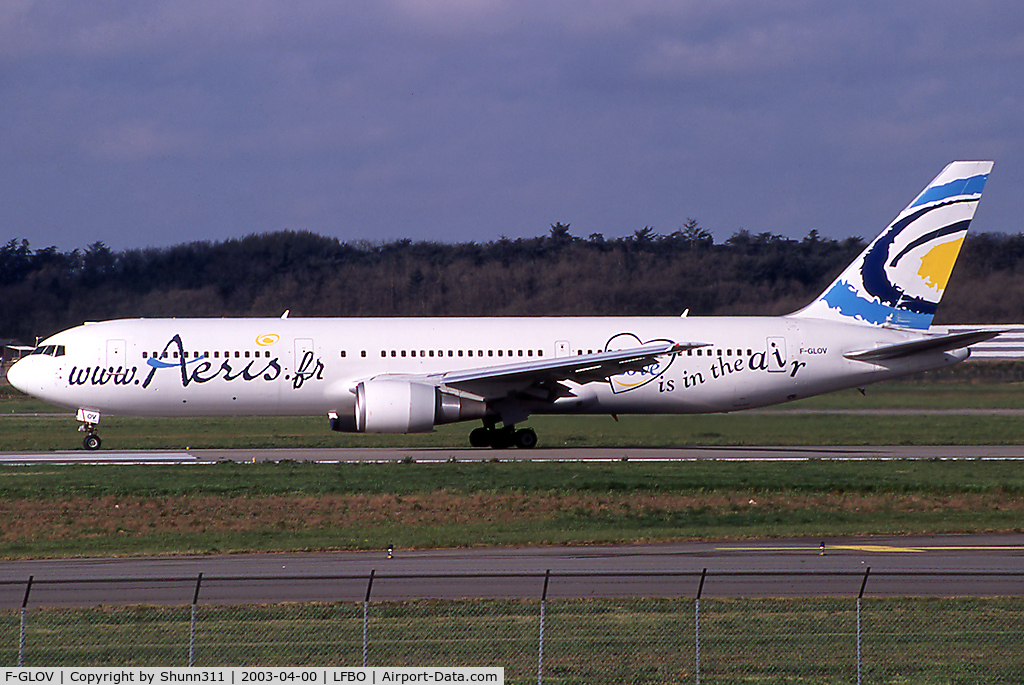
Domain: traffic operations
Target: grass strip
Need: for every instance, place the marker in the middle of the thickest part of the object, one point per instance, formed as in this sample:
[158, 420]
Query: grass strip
[111, 510]
[928, 477]
[60, 432]
[585, 641]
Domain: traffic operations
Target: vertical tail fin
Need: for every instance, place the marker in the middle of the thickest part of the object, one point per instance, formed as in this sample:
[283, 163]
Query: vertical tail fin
[899, 278]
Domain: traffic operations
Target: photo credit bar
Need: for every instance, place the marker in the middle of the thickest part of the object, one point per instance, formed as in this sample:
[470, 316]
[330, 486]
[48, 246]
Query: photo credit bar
[375, 675]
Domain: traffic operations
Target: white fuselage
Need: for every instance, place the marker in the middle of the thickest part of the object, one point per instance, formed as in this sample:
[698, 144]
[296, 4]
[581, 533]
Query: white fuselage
[311, 366]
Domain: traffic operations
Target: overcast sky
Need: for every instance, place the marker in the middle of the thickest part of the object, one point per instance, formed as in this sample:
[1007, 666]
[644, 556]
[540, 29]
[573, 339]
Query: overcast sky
[166, 121]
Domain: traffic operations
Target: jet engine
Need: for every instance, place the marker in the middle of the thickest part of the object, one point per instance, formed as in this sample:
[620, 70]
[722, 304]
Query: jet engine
[398, 406]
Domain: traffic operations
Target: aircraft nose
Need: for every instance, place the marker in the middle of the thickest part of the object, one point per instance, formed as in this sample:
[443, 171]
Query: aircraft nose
[19, 376]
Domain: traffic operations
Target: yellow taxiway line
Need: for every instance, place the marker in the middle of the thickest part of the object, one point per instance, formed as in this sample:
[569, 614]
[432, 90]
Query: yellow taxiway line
[879, 549]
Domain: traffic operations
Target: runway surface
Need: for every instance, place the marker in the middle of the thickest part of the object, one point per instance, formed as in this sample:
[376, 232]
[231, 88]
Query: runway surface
[442, 454]
[949, 565]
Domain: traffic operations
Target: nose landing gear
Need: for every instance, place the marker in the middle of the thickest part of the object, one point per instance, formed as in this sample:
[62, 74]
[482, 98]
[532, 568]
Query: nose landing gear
[89, 420]
[91, 440]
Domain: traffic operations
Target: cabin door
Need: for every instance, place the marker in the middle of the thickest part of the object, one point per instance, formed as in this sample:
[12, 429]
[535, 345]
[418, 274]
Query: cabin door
[115, 354]
[776, 354]
[304, 354]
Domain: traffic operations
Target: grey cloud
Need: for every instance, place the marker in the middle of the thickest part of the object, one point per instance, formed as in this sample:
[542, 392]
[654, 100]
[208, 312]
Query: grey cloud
[469, 120]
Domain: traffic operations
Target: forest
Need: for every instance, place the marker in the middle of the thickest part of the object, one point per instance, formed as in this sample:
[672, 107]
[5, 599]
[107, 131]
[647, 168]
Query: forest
[43, 290]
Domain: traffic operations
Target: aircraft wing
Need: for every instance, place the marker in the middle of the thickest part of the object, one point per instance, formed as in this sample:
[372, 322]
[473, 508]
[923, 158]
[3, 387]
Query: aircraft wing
[953, 341]
[542, 378]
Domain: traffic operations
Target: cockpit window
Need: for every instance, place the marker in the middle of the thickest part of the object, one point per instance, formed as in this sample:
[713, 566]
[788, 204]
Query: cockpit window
[49, 350]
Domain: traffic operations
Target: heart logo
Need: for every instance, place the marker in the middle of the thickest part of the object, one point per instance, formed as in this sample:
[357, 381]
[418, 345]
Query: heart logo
[631, 380]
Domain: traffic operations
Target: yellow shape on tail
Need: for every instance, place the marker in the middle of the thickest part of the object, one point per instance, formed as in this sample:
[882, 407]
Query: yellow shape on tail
[937, 264]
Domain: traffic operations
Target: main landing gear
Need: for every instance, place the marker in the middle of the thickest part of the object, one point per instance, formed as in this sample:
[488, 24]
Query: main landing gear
[503, 438]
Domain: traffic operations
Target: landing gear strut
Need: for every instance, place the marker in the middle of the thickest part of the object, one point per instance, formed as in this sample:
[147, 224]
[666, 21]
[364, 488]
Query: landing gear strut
[503, 438]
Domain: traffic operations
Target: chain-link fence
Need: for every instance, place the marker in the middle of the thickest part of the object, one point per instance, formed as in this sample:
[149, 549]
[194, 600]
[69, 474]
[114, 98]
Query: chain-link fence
[698, 639]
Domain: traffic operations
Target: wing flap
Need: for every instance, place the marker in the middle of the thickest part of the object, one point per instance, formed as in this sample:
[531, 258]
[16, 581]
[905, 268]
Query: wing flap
[938, 343]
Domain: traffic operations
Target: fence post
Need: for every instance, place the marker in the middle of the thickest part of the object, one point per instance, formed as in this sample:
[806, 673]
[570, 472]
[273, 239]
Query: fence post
[696, 620]
[21, 638]
[860, 596]
[540, 638]
[192, 628]
[366, 617]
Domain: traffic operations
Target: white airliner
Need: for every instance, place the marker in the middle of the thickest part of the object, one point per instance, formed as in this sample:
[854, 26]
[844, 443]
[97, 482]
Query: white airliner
[408, 375]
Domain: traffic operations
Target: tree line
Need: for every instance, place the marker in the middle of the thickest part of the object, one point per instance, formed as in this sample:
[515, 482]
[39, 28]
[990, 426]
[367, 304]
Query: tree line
[645, 273]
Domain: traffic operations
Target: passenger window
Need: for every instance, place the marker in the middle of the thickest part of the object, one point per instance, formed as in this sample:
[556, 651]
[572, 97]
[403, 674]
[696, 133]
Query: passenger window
[460, 353]
[499, 353]
[363, 353]
[490, 353]
[403, 353]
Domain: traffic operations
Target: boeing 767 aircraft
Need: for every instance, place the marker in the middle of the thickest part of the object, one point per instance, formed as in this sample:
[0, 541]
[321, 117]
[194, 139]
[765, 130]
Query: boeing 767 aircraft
[397, 375]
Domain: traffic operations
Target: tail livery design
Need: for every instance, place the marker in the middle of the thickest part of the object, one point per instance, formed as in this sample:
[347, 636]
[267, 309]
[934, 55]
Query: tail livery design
[899, 279]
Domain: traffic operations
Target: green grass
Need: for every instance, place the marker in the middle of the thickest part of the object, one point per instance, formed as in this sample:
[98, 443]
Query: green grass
[585, 641]
[568, 503]
[921, 395]
[60, 432]
[926, 477]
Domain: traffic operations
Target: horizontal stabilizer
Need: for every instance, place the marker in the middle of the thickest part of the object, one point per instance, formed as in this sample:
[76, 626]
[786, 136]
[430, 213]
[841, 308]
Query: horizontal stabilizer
[937, 343]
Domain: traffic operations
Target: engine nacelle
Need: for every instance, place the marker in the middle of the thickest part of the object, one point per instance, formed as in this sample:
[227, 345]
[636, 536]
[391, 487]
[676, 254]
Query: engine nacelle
[397, 406]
